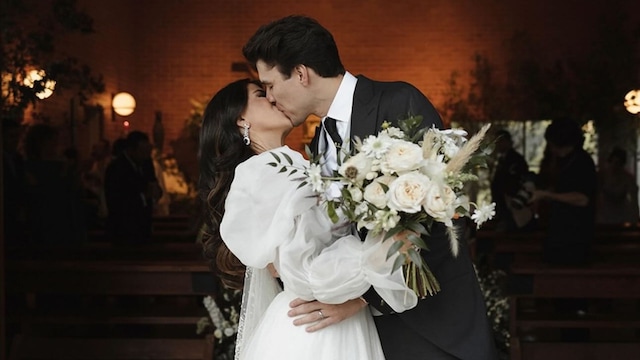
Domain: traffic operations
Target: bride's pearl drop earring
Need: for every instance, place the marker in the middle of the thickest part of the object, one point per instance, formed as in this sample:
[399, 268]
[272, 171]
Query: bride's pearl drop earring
[245, 135]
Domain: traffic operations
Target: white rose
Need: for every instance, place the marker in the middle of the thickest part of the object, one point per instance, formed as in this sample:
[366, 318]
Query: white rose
[375, 194]
[440, 203]
[407, 193]
[402, 156]
[356, 167]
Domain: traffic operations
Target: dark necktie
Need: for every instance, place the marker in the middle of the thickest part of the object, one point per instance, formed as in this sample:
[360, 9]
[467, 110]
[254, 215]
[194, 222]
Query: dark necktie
[332, 130]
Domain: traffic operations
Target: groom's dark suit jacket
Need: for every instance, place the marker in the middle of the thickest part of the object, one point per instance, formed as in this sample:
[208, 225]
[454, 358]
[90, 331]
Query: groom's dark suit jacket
[453, 323]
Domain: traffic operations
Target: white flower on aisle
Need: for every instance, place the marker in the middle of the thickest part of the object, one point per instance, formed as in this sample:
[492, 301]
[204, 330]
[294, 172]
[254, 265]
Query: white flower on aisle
[484, 214]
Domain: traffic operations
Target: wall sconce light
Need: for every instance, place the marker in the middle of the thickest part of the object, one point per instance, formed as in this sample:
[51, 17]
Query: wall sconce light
[632, 101]
[35, 76]
[122, 104]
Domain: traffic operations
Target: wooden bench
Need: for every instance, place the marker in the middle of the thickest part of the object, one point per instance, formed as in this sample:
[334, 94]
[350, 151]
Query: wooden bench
[172, 290]
[110, 277]
[60, 348]
[609, 281]
[502, 247]
[171, 228]
[101, 250]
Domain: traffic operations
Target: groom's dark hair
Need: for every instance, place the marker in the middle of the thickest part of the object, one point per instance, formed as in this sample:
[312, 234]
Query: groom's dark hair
[292, 41]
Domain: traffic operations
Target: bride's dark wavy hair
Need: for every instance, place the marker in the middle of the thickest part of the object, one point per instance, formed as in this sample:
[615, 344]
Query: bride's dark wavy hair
[221, 150]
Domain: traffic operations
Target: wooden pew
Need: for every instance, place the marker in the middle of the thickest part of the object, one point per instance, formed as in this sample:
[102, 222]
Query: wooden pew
[184, 282]
[619, 243]
[32, 348]
[606, 280]
[101, 250]
[170, 228]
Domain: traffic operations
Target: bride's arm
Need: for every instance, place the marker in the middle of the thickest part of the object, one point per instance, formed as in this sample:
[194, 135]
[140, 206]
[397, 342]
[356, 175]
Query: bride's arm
[347, 268]
[378, 279]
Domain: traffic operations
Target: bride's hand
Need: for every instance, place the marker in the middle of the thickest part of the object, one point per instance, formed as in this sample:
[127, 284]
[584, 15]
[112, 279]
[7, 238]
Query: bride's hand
[321, 315]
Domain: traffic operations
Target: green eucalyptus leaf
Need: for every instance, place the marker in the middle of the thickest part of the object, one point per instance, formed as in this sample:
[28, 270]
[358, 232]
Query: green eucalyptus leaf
[418, 227]
[417, 240]
[397, 264]
[392, 232]
[415, 257]
[394, 248]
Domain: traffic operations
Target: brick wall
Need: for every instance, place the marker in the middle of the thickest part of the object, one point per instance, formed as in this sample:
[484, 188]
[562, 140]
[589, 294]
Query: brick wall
[168, 52]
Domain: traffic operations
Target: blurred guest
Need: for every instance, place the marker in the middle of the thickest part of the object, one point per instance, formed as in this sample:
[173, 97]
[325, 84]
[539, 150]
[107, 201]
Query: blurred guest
[131, 189]
[118, 147]
[93, 177]
[570, 184]
[511, 186]
[570, 193]
[617, 191]
[13, 190]
[54, 208]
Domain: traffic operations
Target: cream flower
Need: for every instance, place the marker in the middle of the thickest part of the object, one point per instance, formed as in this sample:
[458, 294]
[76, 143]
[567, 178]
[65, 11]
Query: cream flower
[375, 194]
[403, 156]
[449, 147]
[440, 203]
[356, 193]
[386, 220]
[434, 168]
[407, 193]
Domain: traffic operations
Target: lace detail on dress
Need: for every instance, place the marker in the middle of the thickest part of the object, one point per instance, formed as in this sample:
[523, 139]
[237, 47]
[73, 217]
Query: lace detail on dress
[243, 311]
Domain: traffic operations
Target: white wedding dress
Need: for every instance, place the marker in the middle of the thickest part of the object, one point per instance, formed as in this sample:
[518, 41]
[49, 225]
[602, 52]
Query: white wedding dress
[268, 219]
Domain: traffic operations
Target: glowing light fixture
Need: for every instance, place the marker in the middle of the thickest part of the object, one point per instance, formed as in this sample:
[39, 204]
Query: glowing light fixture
[123, 104]
[632, 101]
[35, 76]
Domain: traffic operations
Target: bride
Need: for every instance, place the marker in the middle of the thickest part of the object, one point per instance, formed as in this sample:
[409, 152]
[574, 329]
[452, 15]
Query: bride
[261, 221]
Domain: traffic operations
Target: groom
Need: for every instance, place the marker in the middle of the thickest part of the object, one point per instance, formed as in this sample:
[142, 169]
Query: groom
[298, 63]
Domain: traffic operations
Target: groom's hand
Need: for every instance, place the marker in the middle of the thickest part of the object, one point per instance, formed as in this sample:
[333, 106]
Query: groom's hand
[321, 315]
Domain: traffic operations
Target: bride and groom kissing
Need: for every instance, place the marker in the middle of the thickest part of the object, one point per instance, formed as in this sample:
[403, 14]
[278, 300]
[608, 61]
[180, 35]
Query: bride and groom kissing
[340, 297]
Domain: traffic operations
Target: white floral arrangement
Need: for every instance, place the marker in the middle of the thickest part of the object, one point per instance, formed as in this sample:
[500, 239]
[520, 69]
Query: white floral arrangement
[399, 182]
[223, 320]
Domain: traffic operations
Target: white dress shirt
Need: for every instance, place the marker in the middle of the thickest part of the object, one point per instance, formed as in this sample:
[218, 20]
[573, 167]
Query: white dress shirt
[340, 110]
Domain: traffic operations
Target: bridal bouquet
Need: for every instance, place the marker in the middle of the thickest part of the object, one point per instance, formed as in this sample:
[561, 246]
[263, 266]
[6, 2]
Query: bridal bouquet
[399, 182]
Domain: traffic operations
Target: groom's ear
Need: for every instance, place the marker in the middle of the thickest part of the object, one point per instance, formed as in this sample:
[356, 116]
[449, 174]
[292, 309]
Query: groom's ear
[301, 73]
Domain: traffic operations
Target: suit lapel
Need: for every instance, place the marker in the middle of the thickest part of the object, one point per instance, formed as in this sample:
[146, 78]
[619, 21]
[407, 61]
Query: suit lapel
[363, 123]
